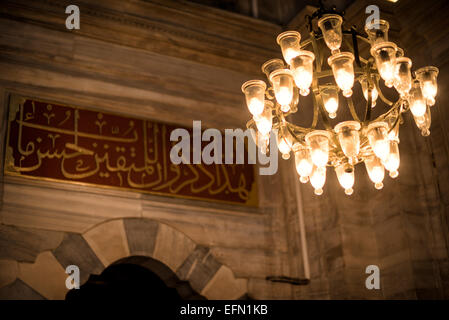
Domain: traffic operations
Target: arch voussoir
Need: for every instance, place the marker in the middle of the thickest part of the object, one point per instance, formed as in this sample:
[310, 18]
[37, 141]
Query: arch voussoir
[117, 239]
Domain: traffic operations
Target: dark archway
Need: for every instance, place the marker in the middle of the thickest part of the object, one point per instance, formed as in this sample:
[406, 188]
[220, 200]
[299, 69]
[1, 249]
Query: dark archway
[135, 278]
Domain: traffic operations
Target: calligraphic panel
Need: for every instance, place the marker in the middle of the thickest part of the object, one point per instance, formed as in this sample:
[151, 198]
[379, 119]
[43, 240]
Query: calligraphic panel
[57, 142]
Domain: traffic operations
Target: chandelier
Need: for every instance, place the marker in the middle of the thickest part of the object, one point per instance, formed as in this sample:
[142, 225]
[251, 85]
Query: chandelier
[374, 142]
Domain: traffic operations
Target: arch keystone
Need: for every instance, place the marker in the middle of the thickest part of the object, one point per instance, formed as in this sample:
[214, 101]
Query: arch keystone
[108, 241]
[172, 247]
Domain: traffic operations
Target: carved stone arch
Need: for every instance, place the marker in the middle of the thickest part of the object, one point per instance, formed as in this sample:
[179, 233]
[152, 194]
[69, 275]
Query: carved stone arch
[114, 240]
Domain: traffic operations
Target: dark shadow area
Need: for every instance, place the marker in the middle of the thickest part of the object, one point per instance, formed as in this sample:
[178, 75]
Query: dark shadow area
[133, 279]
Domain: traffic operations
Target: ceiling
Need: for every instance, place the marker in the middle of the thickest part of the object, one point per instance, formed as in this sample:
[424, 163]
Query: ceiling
[276, 11]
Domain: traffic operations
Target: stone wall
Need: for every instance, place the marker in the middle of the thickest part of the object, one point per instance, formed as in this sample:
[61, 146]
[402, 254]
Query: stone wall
[148, 59]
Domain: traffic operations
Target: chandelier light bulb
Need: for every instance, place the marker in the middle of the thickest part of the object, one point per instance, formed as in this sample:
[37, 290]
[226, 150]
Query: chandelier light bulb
[330, 26]
[254, 91]
[285, 108]
[282, 81]
[374, 94]
[377, 31]
[393, 132]
[417, 101]
[302, 68]
[318, 142]
[264, 121]
[392, 162]
[289, 41]
[349, 138]
[272, 65]
[285, 142]
[330, 100]
[427, 78]
[378, 139]
[318, 179]
[263, 124]
[376, 171]
[262, 141]
[385, 55]
[403, 76]
[343, 69]
[423, 122]
[345, 176]
[303, 163]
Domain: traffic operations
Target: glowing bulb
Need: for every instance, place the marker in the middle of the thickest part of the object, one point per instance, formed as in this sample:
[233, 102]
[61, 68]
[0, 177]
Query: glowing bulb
[345, 175]
[284, 146]
[377, 174]
[264, 141]
[345, 81]
[282, 81]
[348, 136]
[378, 139]
[424, 122]
[392, 162]
[418, 108]
[303, 163]
[385, 55]
[331, 106]
[393, 131]
[285, 142]
[330, 99]
[303, 79]
[264, 120]
[393, 134]
[374, 96]
[386, 71]
[302, 68]
[318, 179]
[289, 41]
[330, 26]
[429, 89]
[427, 77]
[403, 76]
[320, 157]
[289, 54]
[285, 108]
[284, 95]
[381, 148]
[318, 141]
[254, 91]
[263, 125]
[376, 171]
[416, 100]
[343, 69]
[255, 106]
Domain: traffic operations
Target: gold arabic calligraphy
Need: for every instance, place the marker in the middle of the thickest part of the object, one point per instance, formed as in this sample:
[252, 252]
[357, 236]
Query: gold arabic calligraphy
[60, 142]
